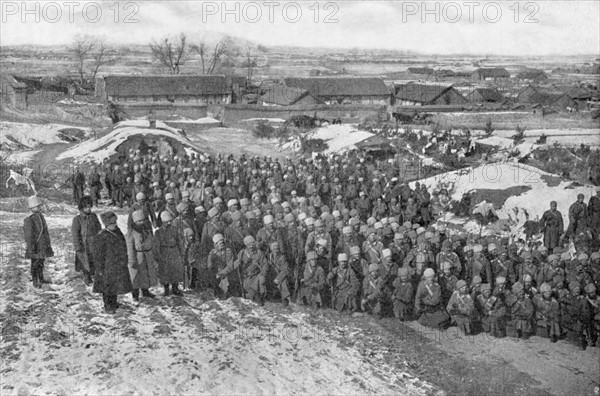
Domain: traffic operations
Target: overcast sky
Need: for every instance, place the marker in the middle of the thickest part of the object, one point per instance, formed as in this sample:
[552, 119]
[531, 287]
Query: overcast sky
[476, 27]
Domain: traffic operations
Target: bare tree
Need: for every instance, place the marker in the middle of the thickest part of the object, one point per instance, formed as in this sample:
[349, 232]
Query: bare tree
[201, 49]
[102, 56]
[226, 47]
[81, 49]
[249, 60]
[171, 53]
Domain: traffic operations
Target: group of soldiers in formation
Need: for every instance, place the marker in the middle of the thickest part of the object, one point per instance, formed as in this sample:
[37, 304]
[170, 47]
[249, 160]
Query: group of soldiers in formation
[335, 232]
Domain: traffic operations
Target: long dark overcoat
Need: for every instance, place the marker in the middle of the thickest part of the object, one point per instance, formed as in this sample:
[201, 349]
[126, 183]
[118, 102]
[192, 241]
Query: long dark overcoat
[110, 258]
[37, 238]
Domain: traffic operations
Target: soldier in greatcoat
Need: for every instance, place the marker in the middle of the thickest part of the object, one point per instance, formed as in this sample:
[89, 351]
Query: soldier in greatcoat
[84, 228]
[461, 308]
[142, 267]
[492, 310]
[37, 240]
[226, 282]
[168, 252]
[312, 281]
[374, 296]
[404, 294]
[110, 259]
[428, 302]
[345, 285]
[552, 227]
[281, 272]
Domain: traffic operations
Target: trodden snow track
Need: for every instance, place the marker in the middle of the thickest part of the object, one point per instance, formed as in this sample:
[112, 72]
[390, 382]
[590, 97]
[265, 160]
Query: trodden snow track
[58, 340]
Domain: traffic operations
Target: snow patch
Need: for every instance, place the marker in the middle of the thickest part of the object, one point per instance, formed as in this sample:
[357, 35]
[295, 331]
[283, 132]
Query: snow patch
[17, 135]
[100, 149]
[339, 138]
[501, 176]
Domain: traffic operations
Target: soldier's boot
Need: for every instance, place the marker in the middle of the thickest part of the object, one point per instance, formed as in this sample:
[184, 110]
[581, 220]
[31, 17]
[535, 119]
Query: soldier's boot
[285, 302]
[583, 342]
[166, 286]
[519, 333]
[41, 272]
[261, 299]
[109, 305]
[136, 295]
[175, 288]
[87, 277]
[35, 278]
[147, 293]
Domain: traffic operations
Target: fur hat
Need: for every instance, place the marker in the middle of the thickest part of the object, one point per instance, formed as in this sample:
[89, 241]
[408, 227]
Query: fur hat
[33, 202]
[107, 217]
[166, 216]
[138, 215]
[213, 212]
[373, 267]
[188, 232]
[517, 288]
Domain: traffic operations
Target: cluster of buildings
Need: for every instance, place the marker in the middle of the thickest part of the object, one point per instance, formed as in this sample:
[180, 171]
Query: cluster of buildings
[483, 85]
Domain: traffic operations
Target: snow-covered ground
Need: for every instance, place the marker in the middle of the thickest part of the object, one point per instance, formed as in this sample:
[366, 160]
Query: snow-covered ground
[97, 150]
[19, 157]
[564, 137]
[273, 120]
[205, 120]
[339, 138]
[543, 188]
[58, 340]
[17, 136]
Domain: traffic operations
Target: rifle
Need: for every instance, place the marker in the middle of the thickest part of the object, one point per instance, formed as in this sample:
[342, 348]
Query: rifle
[186, 269]
[296, 282]
[240, 277]
[332, 294]
[241, 282]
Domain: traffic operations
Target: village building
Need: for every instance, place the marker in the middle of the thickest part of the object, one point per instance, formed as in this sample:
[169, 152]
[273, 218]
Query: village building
[546, 97]
[485, 95]
[420, 71]
[418, 94]
[200, 90]
[343, 90]
[282, 95]
[14, 93]
[445, 73]
[533, 75]
[490, 74]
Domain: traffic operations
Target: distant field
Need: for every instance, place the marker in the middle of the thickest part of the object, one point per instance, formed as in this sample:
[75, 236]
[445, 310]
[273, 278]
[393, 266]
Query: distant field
[510, 120]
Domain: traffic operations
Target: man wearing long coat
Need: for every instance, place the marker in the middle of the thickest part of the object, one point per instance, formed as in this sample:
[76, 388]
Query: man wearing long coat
[168, 252]
[37, 240]
[84, 228]
[552, 225]
[577, 216]
[142, 267]
[110, 258]
[345, 284]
